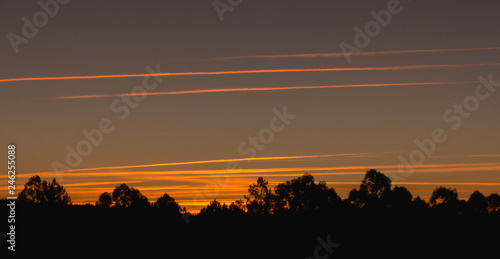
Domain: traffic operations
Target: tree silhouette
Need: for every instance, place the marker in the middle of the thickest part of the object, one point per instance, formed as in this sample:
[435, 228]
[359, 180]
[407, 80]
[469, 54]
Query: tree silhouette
[419, 204]
[375, 188]
[125, 196]
[442, 195]
[214, 207]
[375, 183]
[259, 198]
[304, 195]
[401, 197]
[105, 199]
[237, 206]
[360, 198]
[478, 202]
[493, 202]
[168, 203]
[300, 211]
[43, 192]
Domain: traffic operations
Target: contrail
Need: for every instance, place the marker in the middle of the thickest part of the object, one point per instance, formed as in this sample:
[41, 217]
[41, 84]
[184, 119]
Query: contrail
[258, 89]
[411, 67]
[341, 54]
[336, 170]
[204, 162]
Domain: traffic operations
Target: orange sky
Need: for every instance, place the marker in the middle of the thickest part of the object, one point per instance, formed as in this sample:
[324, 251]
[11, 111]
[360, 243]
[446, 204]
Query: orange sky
[202, 185]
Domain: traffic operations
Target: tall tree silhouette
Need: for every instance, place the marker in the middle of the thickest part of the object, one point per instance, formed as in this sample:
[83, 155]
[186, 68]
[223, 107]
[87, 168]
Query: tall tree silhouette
[375, 183]
[125, 196]
[375, 188]
[105, 199]
[43, 192]
[260, 197]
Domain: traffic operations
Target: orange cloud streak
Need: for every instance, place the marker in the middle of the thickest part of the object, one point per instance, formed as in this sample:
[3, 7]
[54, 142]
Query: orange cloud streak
[98, 183]
[423, 183]
[487, 155]
[411, 67]
[169, 175]
[204, 162]
[341, 54]
[258, 89]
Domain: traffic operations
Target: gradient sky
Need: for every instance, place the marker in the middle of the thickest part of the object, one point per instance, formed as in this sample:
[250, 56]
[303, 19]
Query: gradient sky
[350, 116]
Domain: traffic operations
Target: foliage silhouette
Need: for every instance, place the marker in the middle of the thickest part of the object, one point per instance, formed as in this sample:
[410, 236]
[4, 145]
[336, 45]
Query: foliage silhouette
[168, 203]
[304, 195]
[444, 196]
[281, 222]
[478, 202]
[43, 192]
[419, 204]
[493, 202]
[360, 198]
[375, 183]
[401, 198]
[260, 198]
[216, 208]
[374, 190]
[105, 199]
[125, 196]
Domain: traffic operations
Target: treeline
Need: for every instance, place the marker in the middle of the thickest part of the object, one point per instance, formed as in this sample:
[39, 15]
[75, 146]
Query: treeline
[301, 195]
[295, 219]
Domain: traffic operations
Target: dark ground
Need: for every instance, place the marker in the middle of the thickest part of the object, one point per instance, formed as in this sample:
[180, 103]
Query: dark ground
[88, 230]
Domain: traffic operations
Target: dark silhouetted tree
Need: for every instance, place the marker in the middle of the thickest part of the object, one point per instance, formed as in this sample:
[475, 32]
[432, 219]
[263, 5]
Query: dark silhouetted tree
[43, 192]
[260, 197]
[493, 202]
[375, 189]
[375, 183]
[125, 196]
[168, 203]
[445, 196]
[478, 202]
[214, 208]
[419, 204]
[401, 197]
[104, 200]
[304, 195]
[238, 206]
[360, 198]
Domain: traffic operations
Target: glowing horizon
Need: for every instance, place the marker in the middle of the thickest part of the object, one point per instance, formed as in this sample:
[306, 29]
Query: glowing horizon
[193, 193]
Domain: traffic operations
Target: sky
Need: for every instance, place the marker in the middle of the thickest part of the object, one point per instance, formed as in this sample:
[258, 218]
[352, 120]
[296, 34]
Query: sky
[199, 98]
